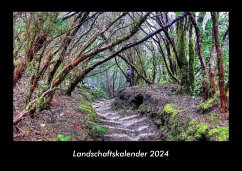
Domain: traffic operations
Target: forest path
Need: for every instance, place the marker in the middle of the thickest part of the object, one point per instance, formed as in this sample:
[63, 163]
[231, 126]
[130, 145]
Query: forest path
[125, 125]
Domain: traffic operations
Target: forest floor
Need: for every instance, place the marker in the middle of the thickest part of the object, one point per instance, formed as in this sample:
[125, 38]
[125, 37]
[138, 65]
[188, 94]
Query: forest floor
[124, 123]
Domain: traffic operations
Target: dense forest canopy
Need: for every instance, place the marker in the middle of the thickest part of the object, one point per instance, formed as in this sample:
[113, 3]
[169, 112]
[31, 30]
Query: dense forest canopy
[60, 50]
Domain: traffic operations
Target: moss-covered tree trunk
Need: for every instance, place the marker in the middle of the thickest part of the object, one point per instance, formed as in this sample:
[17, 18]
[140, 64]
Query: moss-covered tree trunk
[212, 67]
[169, 56]
[181, 53]
[73, 84]
[205, 81]
[191, 58]
[76, 77]
[37, 44]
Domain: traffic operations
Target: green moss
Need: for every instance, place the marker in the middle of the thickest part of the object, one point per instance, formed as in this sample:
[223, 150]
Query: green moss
[201, 131]
[195, 131]
[88, 96]
[170, 137]
[186, 137]
[208, 103]
[213, 117]
[40, 103]
[27, 107]
[192, 126]
[173, 123]
[219, 134]
[87, 108]
[169, 119]
[170, 110]
[169, 116]
[86, 93]
[181, 55]
[191, 59]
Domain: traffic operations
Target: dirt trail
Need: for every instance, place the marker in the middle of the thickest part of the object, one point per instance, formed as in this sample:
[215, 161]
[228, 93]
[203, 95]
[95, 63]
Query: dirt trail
[125, 126]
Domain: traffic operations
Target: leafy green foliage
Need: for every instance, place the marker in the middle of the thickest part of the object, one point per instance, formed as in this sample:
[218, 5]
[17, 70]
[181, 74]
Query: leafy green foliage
[27, 107]
[178, 13]
[197, 86]
[100, 92]
[97, 129]
[89, 96]
[87, 108]
[61, 137]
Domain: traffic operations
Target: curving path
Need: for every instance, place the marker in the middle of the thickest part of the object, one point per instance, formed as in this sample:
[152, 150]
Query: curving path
[125, 126]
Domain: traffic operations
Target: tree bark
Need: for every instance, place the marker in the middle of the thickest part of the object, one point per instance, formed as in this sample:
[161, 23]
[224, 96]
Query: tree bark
[191, 59]
[212, 66]
[66, 42]
[166, 65]
[223, 98]
[181, 52]
[201, 58]
[171, 41]
[38, 43]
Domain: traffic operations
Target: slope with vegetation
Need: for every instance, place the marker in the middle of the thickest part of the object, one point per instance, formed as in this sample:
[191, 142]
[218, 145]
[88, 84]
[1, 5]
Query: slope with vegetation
[179, 117]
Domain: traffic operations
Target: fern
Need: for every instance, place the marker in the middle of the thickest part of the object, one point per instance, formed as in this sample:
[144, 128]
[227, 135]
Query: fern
[61, 137]
[96, 128]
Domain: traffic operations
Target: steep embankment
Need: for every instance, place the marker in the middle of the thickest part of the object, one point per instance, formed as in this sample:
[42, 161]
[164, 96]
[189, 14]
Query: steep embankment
[68, 118]
[179, 117]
